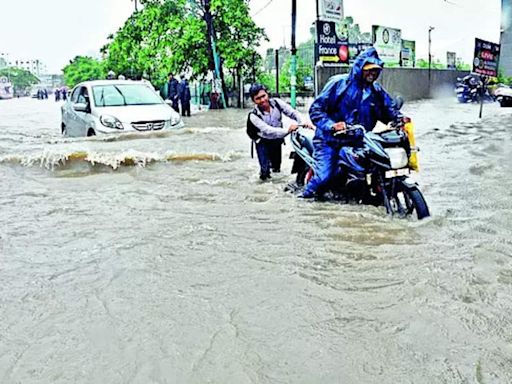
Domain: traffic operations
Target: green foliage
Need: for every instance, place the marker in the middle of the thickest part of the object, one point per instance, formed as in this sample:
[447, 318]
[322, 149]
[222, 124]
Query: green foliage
[436, 64]
[83, 68]
[20, 78]
[305, 67]
[268, 80]
[172, 36]
[507, 80]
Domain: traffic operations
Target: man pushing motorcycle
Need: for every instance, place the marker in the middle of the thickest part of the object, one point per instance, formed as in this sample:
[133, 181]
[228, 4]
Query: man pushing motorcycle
[354, 98]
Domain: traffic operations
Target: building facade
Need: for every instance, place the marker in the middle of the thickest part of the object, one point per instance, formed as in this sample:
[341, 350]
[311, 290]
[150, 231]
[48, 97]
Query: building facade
[506, 38]
[35, 66]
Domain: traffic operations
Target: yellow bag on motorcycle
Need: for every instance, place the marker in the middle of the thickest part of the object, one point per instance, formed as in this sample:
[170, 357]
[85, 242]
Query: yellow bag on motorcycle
[413, 159]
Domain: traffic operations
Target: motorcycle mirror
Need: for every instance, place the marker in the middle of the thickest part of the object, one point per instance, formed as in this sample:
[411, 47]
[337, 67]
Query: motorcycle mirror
[399, 100]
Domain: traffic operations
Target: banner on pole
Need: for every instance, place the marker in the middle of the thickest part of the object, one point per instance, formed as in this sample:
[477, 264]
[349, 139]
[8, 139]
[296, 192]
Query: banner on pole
[388, 43]
[451, 60]
[330, 10]
[408, 54]
[486, 58]
[330, 48]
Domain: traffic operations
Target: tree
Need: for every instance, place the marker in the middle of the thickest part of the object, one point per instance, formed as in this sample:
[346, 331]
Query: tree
[83, 68]
[21, 79]
[176, 36]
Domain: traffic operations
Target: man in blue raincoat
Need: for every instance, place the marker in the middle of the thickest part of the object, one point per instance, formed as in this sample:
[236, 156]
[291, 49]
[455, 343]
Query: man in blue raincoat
[353, 98]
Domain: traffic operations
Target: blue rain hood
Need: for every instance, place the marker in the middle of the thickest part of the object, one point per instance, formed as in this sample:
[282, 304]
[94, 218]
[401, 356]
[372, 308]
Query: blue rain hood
[350, 99]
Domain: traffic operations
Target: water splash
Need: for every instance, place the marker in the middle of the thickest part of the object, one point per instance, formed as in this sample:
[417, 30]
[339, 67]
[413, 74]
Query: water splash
[51, 160]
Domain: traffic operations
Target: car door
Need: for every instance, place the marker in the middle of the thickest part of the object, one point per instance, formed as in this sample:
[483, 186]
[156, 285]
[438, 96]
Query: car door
[69, 118]
[83, 118]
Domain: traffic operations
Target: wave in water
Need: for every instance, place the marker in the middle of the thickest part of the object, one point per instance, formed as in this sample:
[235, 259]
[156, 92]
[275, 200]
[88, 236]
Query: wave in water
[51, 160]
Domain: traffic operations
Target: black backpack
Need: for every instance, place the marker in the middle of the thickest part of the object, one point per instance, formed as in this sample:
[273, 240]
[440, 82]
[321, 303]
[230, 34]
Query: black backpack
[252, 130]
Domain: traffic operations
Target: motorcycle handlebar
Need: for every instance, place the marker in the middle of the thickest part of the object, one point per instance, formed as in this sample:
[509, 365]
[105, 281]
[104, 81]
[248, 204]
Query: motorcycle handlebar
[349, 129]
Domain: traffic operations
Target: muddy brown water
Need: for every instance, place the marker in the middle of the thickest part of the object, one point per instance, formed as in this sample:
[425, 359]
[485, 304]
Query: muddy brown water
[163, 259]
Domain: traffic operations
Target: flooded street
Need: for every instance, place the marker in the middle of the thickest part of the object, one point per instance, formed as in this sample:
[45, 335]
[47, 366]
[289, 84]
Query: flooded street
[161, 258]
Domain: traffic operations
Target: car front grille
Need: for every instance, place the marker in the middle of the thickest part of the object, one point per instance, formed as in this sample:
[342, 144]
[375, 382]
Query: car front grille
[148, 125]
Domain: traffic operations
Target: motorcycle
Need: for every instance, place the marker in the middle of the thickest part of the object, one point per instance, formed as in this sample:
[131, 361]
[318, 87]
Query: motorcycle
[470, 90]
[503, 95]
[376, 171]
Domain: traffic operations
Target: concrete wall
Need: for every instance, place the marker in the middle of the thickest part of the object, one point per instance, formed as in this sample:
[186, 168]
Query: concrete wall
[410, 83]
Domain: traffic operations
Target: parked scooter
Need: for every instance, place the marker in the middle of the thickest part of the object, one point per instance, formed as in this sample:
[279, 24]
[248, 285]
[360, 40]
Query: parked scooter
[376, 170]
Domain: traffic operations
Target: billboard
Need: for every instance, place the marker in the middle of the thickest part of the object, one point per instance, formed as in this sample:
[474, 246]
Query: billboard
[486, 58]
[330, 10]
[355, 49]
[330, 48]
[451, 60]
[408, 53]
[388, 43]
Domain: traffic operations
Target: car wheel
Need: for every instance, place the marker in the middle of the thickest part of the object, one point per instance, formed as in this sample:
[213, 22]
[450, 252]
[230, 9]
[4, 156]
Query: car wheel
[91, 132]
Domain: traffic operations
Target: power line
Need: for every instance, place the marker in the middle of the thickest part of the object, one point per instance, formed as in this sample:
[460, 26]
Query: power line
[265, 6]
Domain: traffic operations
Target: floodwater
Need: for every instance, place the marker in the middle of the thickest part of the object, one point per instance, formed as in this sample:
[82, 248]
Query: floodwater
[163, 259]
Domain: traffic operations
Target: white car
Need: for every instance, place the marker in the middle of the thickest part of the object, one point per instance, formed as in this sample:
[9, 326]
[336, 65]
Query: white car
[115, 106]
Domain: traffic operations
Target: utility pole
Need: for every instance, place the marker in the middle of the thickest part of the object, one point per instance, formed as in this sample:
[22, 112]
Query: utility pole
[315, 68]
[293, 75]
[216, 60]
[430, 29]
[277, 72]
[136, 9]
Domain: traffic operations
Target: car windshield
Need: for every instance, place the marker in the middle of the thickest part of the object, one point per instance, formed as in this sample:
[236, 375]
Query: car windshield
[116, 95]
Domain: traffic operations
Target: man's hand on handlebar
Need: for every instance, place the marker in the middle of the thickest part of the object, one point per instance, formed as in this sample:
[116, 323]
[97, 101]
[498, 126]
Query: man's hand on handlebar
[339, 127]
[293, 128]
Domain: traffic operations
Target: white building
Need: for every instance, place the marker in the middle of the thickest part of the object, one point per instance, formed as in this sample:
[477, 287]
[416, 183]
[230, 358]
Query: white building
[4, 59]
[35, 66]
[506, 37]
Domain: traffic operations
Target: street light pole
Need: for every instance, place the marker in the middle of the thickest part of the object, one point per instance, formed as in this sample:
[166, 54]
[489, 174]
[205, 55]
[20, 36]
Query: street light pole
[430, 29]
[293, 75]
[136, 6]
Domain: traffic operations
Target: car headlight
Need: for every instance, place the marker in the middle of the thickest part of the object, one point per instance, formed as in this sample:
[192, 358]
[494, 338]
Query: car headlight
[175, 119]
[111, 122]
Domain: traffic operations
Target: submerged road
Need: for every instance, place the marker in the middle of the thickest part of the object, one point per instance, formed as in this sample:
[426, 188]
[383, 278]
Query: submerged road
[163, 259]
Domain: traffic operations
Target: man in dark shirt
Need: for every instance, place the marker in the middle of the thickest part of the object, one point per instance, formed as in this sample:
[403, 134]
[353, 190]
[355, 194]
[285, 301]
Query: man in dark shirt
[173, 92]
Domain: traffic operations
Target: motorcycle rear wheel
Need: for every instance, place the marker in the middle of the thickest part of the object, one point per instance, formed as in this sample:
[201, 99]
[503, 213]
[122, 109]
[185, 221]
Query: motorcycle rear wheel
[409, 200]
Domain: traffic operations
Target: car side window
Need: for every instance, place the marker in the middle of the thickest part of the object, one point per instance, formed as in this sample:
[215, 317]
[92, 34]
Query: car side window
[83, 96]
[74, 95]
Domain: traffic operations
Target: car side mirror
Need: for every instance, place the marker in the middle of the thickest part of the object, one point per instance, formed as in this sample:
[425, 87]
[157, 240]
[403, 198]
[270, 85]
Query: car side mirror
[81, 107]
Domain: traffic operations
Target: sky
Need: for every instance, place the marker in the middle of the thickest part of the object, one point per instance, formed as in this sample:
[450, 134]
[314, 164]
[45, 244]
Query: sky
[55, 31]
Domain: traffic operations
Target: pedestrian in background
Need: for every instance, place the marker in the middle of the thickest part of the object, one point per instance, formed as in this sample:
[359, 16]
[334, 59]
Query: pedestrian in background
[185, 97]
[57, 94]
[173, 92]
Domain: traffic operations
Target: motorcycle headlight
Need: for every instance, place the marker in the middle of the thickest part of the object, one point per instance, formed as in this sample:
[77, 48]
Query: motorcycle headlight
[397, 157]
[111, 122]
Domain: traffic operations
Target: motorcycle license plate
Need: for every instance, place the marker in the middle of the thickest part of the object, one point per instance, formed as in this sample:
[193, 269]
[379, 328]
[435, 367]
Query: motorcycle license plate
[397, 172]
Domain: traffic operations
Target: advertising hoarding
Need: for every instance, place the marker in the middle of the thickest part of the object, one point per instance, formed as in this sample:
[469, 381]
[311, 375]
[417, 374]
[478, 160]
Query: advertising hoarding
[388, 43]
[330, 10]
[451, 60]
[408, 53]
[330, 48]
[486, 58]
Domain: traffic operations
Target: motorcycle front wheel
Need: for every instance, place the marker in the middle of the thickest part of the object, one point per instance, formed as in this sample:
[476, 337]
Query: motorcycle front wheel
[407, 200]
